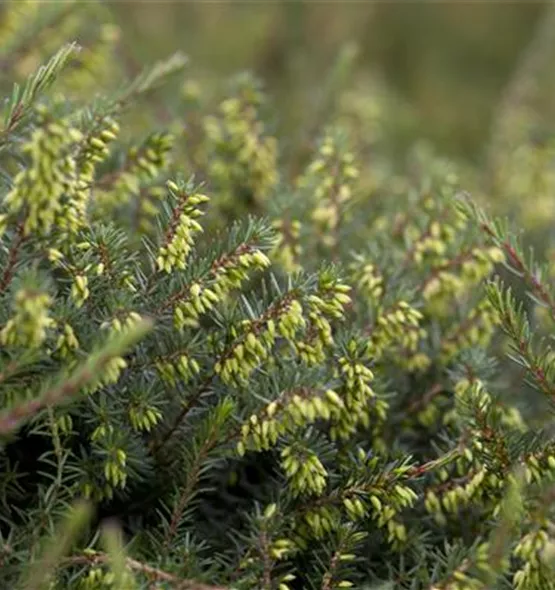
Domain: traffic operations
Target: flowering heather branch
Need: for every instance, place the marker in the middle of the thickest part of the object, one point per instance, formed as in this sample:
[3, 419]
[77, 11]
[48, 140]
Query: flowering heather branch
[68, 387]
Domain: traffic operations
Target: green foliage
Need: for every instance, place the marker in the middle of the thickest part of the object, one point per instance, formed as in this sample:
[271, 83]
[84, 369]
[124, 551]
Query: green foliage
[231, 359]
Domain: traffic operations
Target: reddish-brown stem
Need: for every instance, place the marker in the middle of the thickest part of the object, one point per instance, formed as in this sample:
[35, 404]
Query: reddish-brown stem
[154, 574]
[187, 491]
[8, 273]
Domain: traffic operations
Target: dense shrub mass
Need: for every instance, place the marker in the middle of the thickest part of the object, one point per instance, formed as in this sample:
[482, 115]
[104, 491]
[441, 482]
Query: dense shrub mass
[234, 360]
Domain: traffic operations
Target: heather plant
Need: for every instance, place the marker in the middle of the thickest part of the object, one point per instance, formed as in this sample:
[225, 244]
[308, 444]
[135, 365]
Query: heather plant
[519, 173]
[232, 361]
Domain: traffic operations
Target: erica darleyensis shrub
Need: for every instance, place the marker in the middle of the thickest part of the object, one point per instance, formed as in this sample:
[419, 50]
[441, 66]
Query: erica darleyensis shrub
[225, 363]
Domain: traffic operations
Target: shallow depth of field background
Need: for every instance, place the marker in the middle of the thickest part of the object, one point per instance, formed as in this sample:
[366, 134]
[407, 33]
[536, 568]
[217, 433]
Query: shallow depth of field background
[450, 61]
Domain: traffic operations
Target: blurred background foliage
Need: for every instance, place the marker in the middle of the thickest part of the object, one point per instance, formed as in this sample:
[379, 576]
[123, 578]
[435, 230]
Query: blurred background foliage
[450, 61]
[473, 78]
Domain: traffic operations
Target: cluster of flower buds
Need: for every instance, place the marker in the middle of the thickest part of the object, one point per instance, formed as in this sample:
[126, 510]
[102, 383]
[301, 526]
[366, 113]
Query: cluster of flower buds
[317, 523]
[367, 279]
[249, 352]
[179, 238]
[93, 149]
[358, 397]
[28, 328]
[67, 342]
[398, 327]
[100, 578]
[444, 283]
[50, 179]
[304, 470]
[226, 274]
[143, 417]
[292, 411]
[240, 157]
[114, 461]
[535, 572]
[80, 290]
[143, 164]
[394, 499]
[287, 248]
[181, 367]
[324, 306]
[329, 178]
